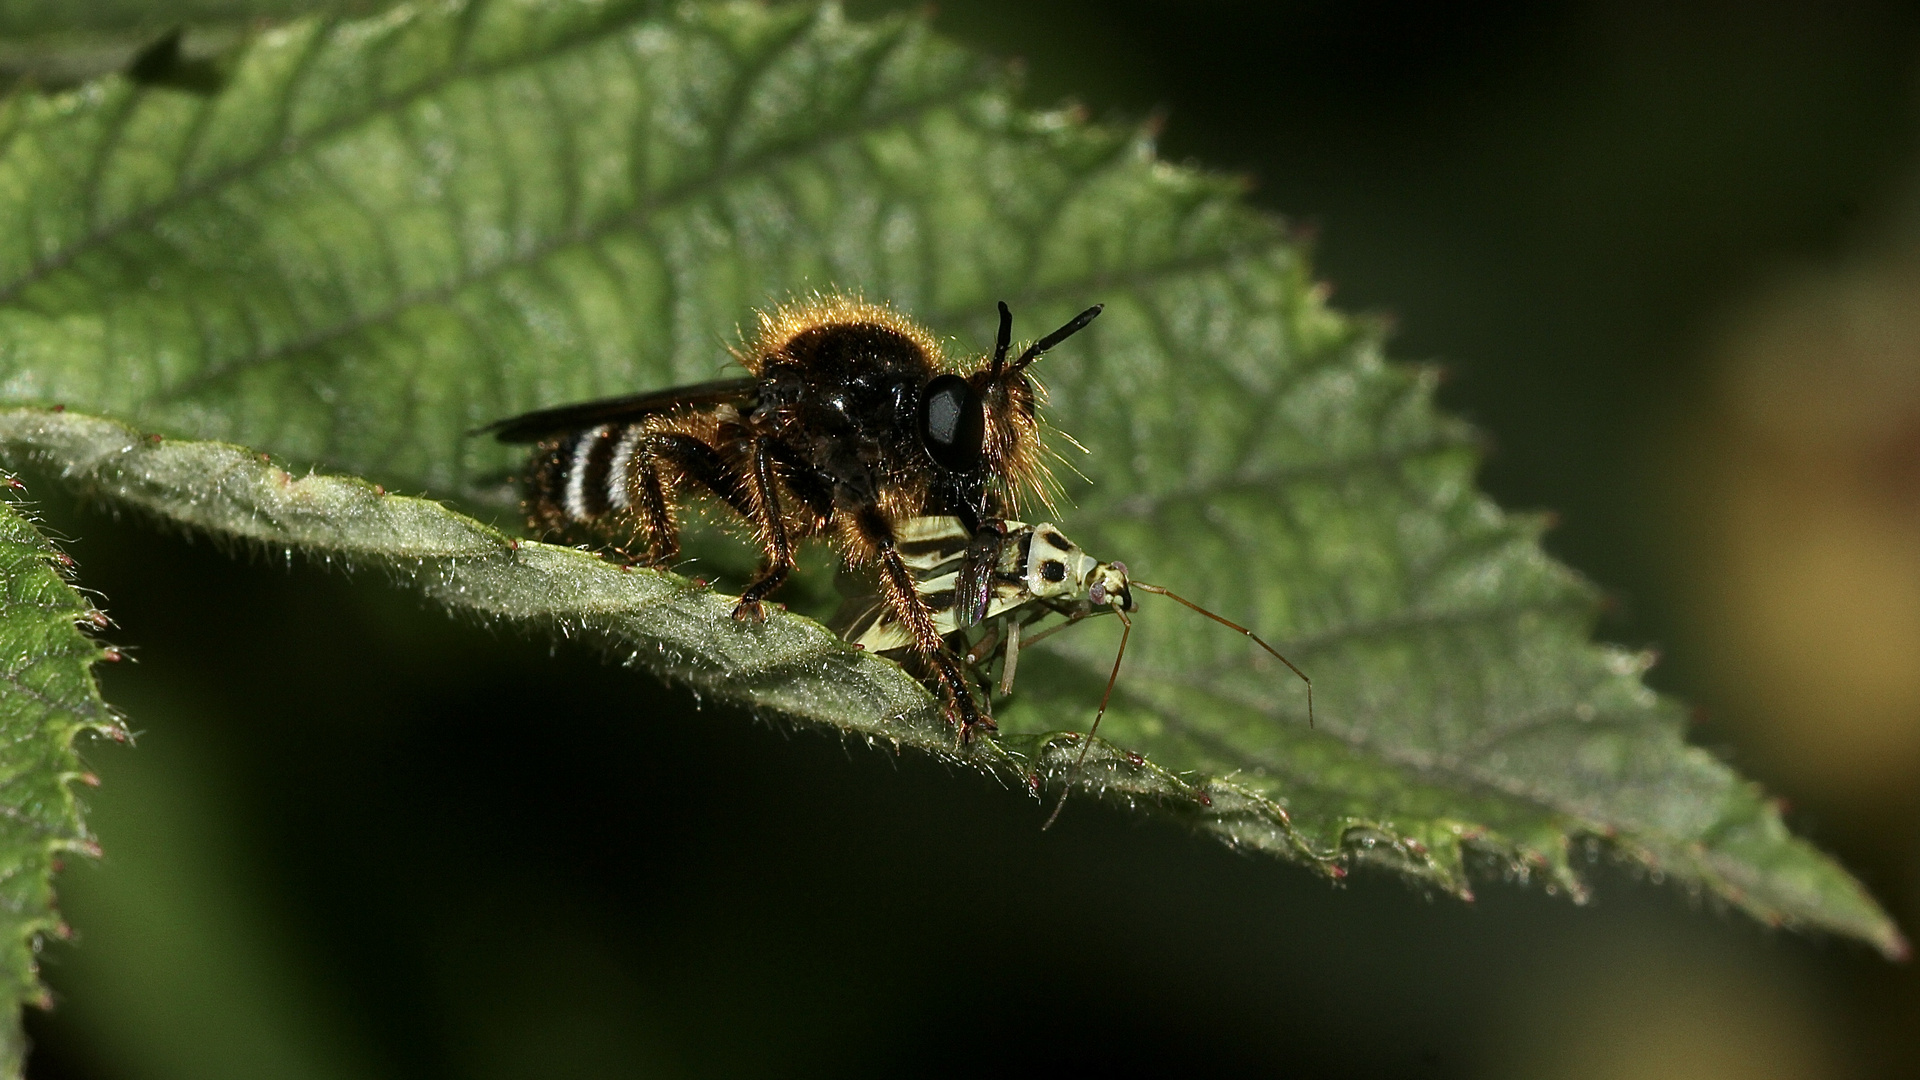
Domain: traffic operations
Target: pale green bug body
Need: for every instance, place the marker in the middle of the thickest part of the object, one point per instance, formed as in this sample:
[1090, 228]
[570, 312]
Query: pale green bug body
[1039, 572]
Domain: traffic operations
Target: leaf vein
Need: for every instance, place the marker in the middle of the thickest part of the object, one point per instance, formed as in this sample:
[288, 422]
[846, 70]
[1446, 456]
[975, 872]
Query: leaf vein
[445, 291]
[291, 146]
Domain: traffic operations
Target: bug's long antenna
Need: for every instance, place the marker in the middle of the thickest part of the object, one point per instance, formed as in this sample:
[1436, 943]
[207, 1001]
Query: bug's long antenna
[1002, 340]
[1075, 325]
[1158, 591]
[1104, 698]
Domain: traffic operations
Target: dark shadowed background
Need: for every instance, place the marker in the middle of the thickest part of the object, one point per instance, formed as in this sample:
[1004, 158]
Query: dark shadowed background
[1672, 260]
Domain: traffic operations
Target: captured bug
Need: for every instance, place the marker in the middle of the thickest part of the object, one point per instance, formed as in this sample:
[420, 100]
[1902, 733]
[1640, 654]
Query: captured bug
[1040, 573]
[848, 423]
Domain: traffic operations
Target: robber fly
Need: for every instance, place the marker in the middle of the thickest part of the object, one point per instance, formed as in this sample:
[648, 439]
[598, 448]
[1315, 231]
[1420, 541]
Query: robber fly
[1040, 573]
[849, 422]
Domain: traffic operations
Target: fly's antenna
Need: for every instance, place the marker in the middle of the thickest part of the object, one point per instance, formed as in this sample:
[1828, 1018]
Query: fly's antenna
[1104, 698]
[1275, 653]
[1075, 325]
[1002, 340]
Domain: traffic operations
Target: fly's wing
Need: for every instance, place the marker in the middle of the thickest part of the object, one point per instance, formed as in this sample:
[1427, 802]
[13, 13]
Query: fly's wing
[534, 426]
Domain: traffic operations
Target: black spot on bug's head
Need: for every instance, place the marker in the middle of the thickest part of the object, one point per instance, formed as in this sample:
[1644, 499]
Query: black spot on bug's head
[1054, 539]
[953, 424]
[1053, 570]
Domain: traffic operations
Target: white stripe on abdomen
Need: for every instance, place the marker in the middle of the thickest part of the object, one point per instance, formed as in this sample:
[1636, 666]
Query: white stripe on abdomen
[576, 501]
[617, 493]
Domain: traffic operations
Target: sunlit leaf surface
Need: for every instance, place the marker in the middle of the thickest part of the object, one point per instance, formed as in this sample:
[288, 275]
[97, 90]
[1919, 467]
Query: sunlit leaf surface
[383, 233]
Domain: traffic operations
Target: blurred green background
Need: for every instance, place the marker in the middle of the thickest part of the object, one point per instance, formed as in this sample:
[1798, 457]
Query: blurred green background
[1671, 256]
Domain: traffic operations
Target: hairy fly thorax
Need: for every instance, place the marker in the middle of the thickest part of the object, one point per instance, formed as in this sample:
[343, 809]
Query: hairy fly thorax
[850, 423]
[840, 383]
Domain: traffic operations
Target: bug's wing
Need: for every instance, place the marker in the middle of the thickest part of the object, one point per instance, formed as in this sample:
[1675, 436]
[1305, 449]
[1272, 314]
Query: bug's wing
[866, 618]
[533, 426]
[857, 615]
[930, 545]
[938, 545]
[973, 580]
[868, 622]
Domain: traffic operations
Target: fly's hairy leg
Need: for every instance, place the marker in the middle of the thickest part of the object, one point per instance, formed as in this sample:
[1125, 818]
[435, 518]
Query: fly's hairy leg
[698, 463]
[649, 498]
[766, 504]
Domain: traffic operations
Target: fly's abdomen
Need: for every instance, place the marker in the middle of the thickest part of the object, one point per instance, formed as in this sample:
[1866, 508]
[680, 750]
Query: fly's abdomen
[583, 476]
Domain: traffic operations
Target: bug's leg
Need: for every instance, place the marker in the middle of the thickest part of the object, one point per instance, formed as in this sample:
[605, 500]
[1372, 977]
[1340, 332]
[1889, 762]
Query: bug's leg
[983, 650]
[976, 658]
[773, 528]
[896, 584]
[1011, 659]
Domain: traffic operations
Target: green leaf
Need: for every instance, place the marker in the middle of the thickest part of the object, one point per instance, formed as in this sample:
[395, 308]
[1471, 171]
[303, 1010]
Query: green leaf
[59, 44]
[30, 18]
[384, 233]
[656, 620]
[47, 698]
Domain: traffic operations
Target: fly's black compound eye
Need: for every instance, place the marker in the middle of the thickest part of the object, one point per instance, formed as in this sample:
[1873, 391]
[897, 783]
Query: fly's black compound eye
[953, 423]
